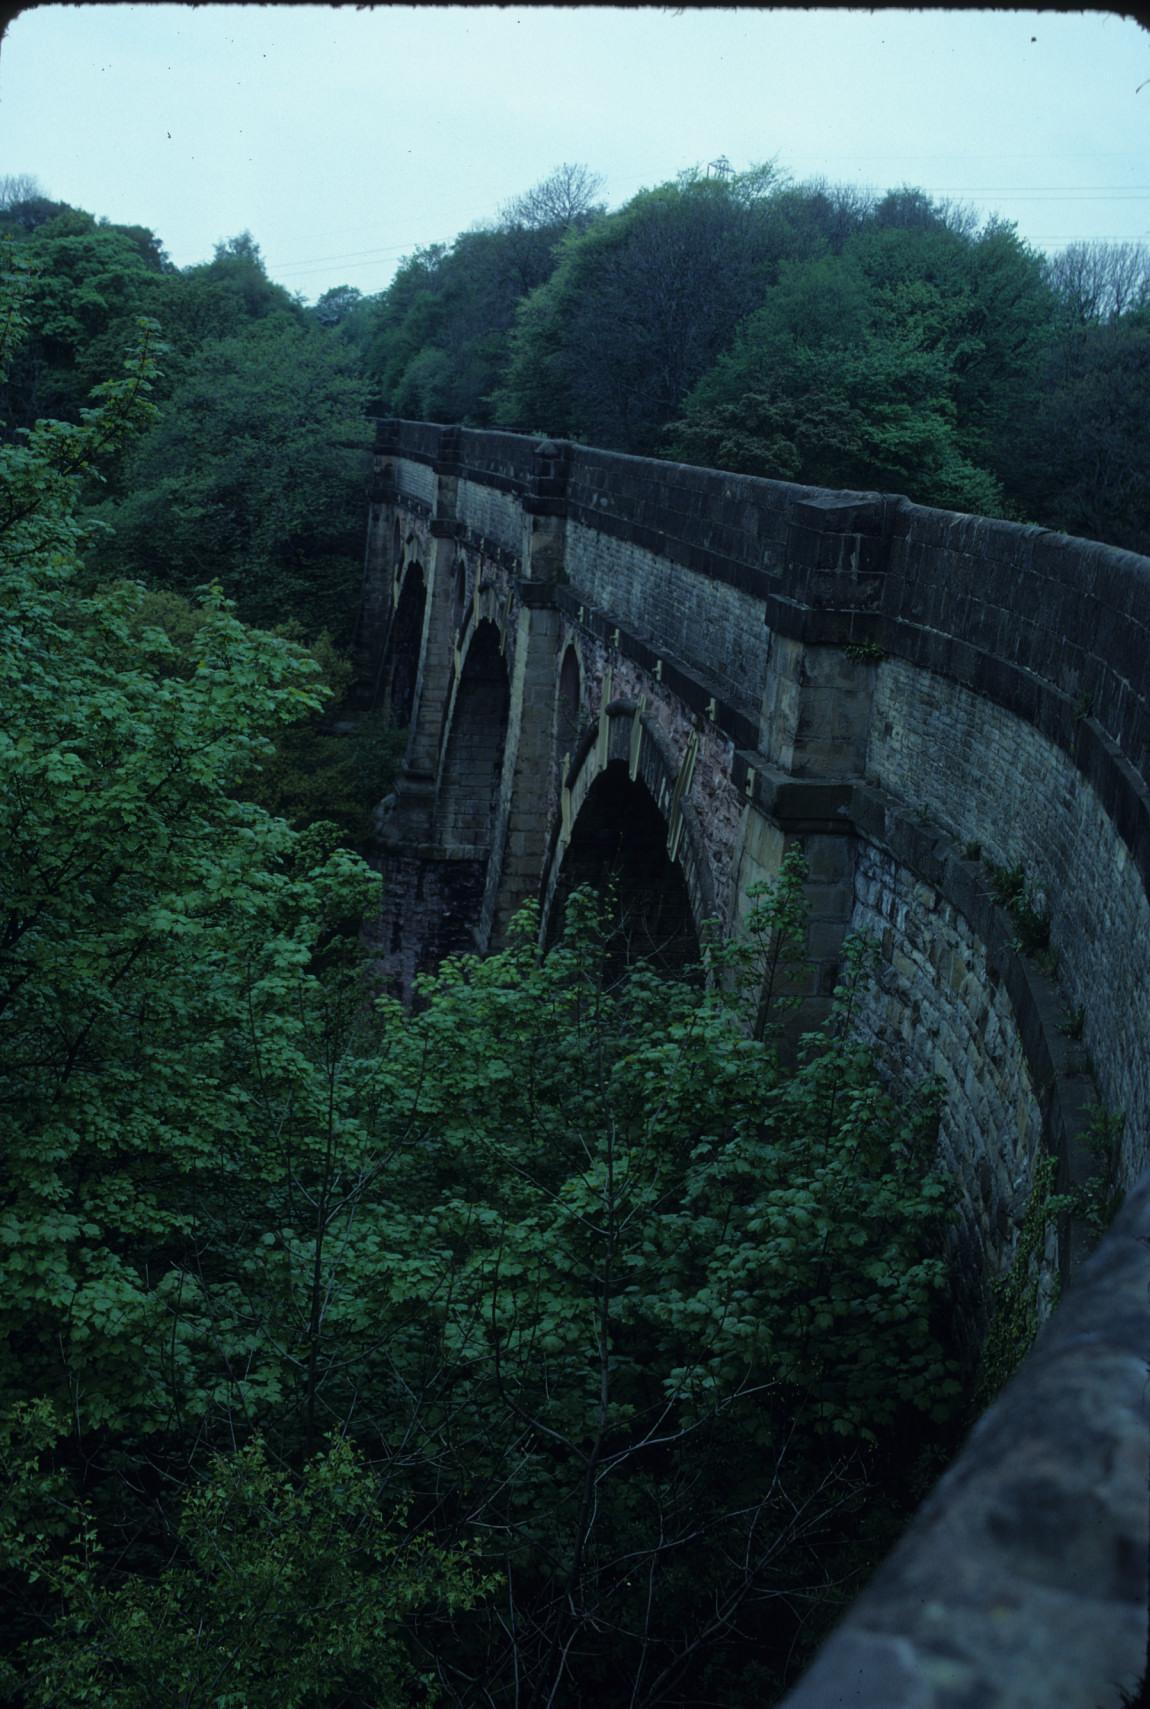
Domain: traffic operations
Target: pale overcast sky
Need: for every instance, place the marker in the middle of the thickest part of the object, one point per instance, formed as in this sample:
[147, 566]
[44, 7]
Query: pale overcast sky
[343, 139]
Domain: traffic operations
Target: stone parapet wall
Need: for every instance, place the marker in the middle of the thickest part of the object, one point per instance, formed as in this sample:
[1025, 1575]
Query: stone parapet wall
[1073, 613]
[714, 626]
[417, 480]
[940, 1011]
[490, 514]
[415, 441]
[715, 524]
[508, 458]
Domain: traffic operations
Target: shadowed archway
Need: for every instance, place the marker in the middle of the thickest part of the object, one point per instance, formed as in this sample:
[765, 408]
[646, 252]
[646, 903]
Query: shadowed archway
[618, 847]
[402, 668]
[473, 761]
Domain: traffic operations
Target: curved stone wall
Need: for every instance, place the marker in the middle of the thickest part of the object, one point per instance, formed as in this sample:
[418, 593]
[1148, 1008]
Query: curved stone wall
[1000, 784]
[940, 1011]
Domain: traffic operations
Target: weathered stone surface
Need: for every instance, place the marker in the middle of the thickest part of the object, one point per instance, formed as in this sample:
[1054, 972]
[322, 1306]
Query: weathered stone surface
[994, 781]
[939, 1011]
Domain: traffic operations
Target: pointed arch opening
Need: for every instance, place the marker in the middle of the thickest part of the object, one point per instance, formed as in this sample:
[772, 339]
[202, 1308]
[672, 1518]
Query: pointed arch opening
[618, 847]
[473, 761]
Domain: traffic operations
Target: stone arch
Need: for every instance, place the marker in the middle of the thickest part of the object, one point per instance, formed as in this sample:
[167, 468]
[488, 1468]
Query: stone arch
[625, 821]
[402, 667]
[396, 547]
[568, 705]
[472, 766]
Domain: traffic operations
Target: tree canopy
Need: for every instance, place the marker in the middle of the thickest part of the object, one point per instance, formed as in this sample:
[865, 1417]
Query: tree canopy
[252, 471]
[890, 365]
[638, 308]
[253, 477]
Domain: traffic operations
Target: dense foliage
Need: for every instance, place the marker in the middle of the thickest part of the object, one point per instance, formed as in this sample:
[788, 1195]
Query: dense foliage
[252, 471]
[248, 479]
[436, 341]
[161, 1023]
[249, 473]
[893, 364]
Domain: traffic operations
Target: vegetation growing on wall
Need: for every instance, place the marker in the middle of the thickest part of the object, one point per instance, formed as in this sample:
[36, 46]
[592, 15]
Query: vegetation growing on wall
[1015, 1296]
[1027, 909]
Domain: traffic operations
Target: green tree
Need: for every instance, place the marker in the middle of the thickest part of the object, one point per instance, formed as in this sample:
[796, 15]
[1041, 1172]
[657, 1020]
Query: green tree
[571, 1258]
[405, 317]
[893, 364]
[628, 1258]
[144, 911]
[334, 770]
[336, 304]
[89, 283]
[217, 299]
[93, 278]
[436, 341]
[440, 331]
[172, 973]
[253, 477]
[1077, 462]
[989, 319]
[277, 1589]
[639, 307]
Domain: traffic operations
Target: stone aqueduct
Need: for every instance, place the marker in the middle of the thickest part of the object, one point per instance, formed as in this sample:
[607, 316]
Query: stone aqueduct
[608, 661]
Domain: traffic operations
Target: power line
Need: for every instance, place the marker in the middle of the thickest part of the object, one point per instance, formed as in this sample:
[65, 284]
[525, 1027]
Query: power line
[347, 255]
[1101, 192]
[1036, 237]
[1045, 154]
[1134, 194]
[309, 272]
